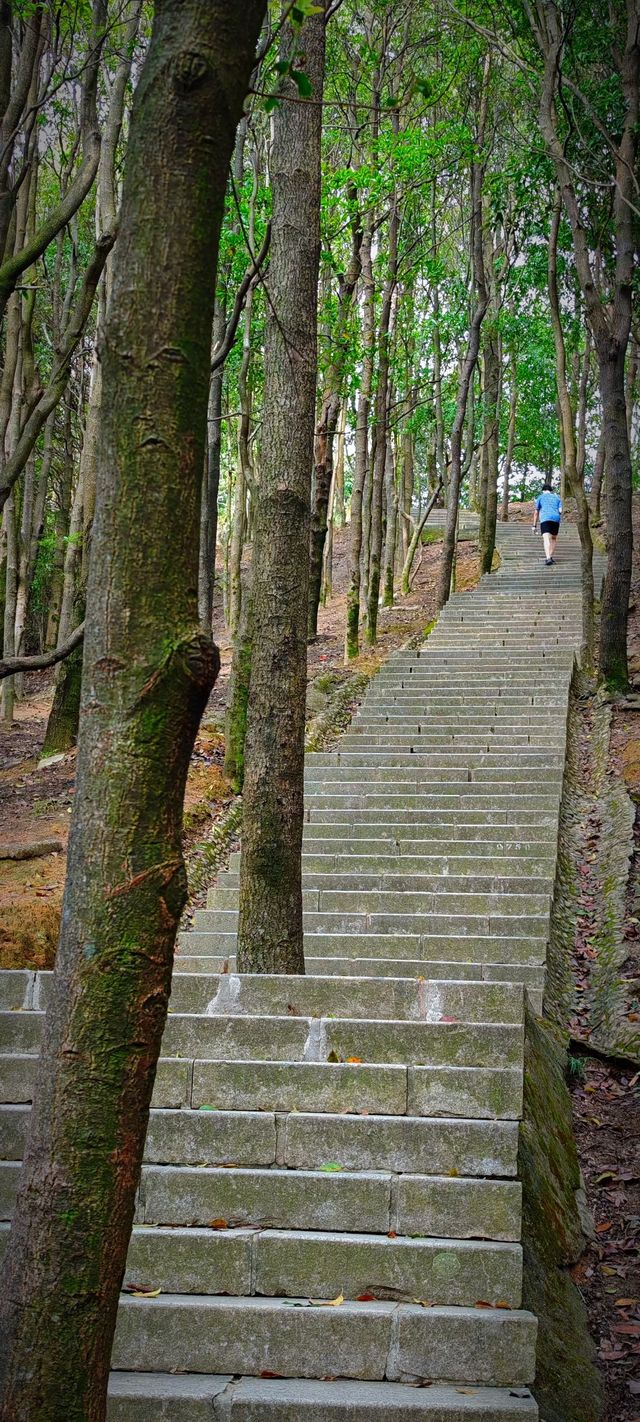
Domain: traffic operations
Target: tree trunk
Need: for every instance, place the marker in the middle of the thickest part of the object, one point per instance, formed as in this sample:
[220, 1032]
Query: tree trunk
[489, 460]
[381, 424]
[598, 477]
[235, 725]
[471, 357]
[391, 539]
[361, 470]
[146, 678]
[574, 476]
[511, 439]
[270, 918]
[211, 482]
[328, 423]
[617, 587]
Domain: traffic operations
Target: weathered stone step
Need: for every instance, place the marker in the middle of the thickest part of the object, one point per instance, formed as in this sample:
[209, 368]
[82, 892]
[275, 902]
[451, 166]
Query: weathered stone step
[370, 998]
[394, 764]
[307, 996]
[415, 833]
[442, 897]
[395, 1089]
[328, 966]
[137, 1397]
[425, 947]
[440, 919]
[310, 1039]
[360, 1340]
[395, 879]
[486, 1093]
[299, 1140]
[389, 857]
[476, 797]
[510, 822]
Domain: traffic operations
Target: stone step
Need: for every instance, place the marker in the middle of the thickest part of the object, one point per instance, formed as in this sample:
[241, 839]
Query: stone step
[394, 879]
[327, 966]
[484, 1093]
[481, 1092]
[370, 998]
[405, 833]
[299, 1140]
[139, 1397]
[310, 1039]
[18, 1074]
[534, 823]
[376, 857]
[361, 1340]
[374, 902]
[440, 921]
[404, 857]
[483, 950]
[474, 797]
[352, 1202]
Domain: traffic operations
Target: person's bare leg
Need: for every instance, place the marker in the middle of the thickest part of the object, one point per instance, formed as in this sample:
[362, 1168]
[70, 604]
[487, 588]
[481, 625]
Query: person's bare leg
[548, 541]
[553, 539]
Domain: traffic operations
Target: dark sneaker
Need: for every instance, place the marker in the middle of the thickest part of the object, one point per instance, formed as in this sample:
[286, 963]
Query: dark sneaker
[548, 562]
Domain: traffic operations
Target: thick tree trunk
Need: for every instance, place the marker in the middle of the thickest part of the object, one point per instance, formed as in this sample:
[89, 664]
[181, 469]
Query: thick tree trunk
[235, 726]
[270, 919]
[489, 461]
[381, 428]
[147, 674]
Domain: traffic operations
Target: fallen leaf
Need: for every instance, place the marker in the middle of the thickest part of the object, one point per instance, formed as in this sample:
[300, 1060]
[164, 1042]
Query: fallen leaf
[424, 1303]
[354, 1059]
[218, 1224]
[328, 1303]
[138, 1291]
[606, 1224]
[332, 1165]
[366, 1298]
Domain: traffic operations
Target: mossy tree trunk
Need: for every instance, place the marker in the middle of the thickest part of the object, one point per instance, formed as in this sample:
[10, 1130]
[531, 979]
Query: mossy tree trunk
[147, 673]
[270, 921]
[361, 470]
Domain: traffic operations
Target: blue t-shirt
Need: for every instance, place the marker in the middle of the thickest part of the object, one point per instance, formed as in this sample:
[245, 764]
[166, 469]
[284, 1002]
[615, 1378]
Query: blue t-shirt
[549, 506]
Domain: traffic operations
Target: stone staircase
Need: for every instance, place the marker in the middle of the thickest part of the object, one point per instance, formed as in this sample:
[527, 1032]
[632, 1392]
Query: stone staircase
[329, 1202]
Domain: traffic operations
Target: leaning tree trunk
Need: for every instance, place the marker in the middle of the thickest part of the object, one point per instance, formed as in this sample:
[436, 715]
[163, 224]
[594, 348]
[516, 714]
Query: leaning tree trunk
[147, 674]
[270, 920]
[511, 439]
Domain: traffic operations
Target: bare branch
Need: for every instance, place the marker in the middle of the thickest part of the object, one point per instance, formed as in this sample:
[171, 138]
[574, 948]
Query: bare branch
[12, 665]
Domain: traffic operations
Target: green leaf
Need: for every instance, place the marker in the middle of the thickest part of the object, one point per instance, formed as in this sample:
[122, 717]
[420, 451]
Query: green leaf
[332, 1165]
[305, 87]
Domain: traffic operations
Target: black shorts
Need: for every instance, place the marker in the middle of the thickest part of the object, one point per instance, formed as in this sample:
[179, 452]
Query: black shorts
[550, 525]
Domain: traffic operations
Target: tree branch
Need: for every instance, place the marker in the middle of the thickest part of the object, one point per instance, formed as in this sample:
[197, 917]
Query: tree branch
[46, 659]
[223, 348]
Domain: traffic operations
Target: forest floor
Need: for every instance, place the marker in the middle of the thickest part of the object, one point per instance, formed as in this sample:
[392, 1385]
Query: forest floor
[36, 801]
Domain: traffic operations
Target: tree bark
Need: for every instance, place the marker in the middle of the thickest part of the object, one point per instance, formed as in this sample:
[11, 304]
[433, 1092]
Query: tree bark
[473, 347]
[270, 918]
[574, 477]
[511, 438]
[147, 674]
[328, 422]
[361, 471]
[609, 314]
